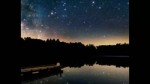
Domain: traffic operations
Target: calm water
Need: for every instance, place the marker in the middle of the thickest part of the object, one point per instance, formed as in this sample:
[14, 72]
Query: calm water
[96, 74]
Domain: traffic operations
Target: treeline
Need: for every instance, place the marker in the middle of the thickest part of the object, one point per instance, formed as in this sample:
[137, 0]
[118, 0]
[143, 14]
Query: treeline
[39, 50]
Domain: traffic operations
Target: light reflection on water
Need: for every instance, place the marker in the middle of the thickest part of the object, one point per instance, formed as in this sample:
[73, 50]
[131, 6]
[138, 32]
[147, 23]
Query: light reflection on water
[96, 74]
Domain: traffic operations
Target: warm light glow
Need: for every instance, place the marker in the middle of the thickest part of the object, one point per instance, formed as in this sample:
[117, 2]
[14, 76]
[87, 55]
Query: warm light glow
[104, 40]
[96, 41]
[113, 40]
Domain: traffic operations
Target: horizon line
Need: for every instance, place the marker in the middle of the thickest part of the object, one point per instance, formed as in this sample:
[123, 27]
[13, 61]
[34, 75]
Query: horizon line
[77, 42]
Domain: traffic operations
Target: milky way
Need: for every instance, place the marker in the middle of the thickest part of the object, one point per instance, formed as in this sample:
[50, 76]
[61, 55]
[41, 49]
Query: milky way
[98, 22]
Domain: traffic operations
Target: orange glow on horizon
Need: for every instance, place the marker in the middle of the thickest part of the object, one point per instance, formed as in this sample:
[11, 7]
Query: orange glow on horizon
[94, 41]
[38, 34]
[106, 41]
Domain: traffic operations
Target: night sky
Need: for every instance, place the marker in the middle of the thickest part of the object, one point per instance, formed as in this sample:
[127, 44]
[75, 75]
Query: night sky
[98, 22]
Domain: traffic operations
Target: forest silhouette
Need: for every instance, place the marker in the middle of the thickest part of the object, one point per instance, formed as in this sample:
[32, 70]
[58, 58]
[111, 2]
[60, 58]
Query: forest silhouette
[39, 52]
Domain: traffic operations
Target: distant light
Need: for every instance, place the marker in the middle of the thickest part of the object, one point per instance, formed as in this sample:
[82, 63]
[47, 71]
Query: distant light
[58, 64]
[52, 13]
[100, 7]
[93, 2]
[65, 9]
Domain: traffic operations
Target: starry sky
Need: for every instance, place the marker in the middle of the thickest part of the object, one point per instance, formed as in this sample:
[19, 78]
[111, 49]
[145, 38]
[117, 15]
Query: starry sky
[98, 22]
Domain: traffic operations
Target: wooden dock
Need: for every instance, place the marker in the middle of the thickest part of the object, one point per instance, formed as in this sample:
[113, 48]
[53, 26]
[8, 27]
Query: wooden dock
[37, 69]
[37, 72]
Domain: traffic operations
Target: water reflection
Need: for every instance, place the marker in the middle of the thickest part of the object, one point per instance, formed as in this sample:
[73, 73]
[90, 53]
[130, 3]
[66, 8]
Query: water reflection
[95, 74]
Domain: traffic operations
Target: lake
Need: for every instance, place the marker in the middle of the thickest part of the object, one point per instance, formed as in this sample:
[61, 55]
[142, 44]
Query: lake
[94, 74]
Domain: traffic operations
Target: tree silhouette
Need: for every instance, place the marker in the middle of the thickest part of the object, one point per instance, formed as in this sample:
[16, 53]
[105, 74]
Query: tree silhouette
[37, 51]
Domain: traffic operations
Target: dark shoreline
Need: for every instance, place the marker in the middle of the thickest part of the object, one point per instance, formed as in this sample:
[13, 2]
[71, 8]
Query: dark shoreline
[116, 61]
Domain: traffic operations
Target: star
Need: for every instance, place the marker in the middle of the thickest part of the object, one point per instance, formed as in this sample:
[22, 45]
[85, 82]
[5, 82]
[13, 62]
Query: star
[64, 4]
[99, 7]
[55, 12]
[29, 15]
[52, 13]
[64, 15]
[48, 16]
[65, 9]
[24, 19]
[93, 2]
